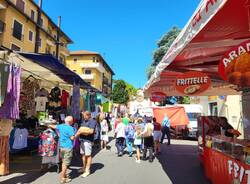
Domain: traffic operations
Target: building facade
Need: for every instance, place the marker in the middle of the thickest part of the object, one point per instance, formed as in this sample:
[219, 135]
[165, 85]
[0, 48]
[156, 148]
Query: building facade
[25, 27]
[92, 67]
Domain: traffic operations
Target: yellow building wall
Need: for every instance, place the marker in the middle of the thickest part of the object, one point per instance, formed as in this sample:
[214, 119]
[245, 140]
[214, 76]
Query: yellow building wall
[9, 14]
[76, 66]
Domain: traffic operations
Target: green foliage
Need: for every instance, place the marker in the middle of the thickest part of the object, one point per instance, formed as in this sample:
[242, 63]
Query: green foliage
[163, 45]
[120, 94]
[131, 90]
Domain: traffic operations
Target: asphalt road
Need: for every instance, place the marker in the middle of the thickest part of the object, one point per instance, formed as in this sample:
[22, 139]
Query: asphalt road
[177, 164]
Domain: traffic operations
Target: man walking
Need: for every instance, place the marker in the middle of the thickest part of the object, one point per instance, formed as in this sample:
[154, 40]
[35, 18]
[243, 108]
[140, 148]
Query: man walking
[165, 129]
[86, 133]
[66, 138]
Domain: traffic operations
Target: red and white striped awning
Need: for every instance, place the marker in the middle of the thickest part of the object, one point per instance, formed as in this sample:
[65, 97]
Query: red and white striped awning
[215, 27]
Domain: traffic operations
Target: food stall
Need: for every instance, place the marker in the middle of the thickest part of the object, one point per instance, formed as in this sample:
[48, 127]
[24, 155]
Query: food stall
[211, 57]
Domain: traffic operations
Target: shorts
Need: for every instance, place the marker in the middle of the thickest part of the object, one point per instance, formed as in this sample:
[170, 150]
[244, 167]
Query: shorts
[157, 135]
[138, 147]
[86, 148]
[66, 156]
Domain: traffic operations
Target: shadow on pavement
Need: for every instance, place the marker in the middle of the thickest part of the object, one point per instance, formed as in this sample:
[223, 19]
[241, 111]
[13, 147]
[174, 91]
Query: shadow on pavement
[180, 162]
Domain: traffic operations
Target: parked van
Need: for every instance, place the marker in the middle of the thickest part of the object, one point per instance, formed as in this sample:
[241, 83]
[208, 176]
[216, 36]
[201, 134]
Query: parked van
[193, 111]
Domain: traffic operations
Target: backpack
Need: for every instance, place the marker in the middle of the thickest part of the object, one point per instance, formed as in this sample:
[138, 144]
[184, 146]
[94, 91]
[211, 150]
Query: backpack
[130, 131]
[48, 143]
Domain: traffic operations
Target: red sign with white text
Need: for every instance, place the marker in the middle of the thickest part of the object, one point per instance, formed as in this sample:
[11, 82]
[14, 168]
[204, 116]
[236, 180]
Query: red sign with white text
[220, 168]
[192, 83]
[234, 67]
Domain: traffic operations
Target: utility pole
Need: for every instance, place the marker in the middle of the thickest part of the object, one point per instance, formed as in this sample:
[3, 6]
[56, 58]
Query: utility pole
[38, 24]
[58, 37]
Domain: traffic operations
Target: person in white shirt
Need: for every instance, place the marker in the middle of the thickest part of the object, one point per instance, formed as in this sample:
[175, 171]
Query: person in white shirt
[120, 138]
[147, 134]
[104, 131]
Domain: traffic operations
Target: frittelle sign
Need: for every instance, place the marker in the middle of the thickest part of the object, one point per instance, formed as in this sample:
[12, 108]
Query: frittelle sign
[234, 67]
[192, 83]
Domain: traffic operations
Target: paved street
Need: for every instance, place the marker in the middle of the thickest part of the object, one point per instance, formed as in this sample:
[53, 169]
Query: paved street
[177, 164]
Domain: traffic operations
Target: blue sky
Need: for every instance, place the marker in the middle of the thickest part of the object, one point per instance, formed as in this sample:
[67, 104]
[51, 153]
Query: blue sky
[125, 32]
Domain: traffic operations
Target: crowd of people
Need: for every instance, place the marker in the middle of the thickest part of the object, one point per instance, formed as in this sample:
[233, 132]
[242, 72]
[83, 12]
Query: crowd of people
[138, 134]
[144, 134]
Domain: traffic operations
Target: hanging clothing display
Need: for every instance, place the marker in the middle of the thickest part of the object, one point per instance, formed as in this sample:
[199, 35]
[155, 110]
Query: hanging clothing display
[65, 98]
[27, 99]
[5, 129]
[75, 102]
[4, 155]
[20, 138]
[48, 143]
[54, 106]
[41, 103]
[4, 76]
[10, 107]
[42, 93]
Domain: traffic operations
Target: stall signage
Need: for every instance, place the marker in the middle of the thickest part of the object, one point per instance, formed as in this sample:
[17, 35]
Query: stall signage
[157, 96]
[192, 83]
[234, 67]
[238, 171]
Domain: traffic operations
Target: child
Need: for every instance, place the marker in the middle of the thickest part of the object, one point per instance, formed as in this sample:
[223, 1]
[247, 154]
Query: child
[138, 142]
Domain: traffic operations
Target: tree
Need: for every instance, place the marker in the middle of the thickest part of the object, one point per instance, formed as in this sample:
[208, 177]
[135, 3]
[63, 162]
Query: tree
[163, 45]
[131, 90]
[120, 93]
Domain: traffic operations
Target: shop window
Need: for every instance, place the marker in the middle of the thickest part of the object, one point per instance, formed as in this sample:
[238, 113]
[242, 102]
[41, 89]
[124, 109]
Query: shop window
[17, 30]
[88, 72]
[31, 36]
[20, 4]
[15, 47]
[32, 15]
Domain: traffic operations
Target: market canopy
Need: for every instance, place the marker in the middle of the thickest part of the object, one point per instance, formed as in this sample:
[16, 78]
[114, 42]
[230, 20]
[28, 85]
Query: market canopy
[49, 68]
[215, 27]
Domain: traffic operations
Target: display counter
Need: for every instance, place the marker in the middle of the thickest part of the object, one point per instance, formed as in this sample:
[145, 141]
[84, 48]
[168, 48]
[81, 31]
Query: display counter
[226, 160]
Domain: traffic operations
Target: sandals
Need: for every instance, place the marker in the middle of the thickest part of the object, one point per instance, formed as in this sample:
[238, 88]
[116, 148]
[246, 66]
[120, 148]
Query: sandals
[65, 180]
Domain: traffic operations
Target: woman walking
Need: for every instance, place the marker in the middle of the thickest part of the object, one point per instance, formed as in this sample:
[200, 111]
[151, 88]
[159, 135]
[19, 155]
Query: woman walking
[157, 136]
[104, 131]
[129, 132]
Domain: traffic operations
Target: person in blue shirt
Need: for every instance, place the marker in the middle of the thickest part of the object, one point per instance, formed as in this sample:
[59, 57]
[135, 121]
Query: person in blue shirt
[66, 137]
[165, 129]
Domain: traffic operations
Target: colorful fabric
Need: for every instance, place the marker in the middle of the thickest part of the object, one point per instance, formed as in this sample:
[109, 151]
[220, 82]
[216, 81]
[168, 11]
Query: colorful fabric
[64, 98]
[4, 155]
[48, 144]
[10, 108]
[75, 103]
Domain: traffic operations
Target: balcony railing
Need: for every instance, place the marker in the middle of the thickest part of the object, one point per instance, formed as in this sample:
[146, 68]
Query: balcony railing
[97, 66]
[87, 76]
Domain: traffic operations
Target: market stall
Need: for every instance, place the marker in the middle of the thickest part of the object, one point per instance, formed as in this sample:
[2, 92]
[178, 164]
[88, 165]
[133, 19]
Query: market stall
[34, 89]
[211, 57]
